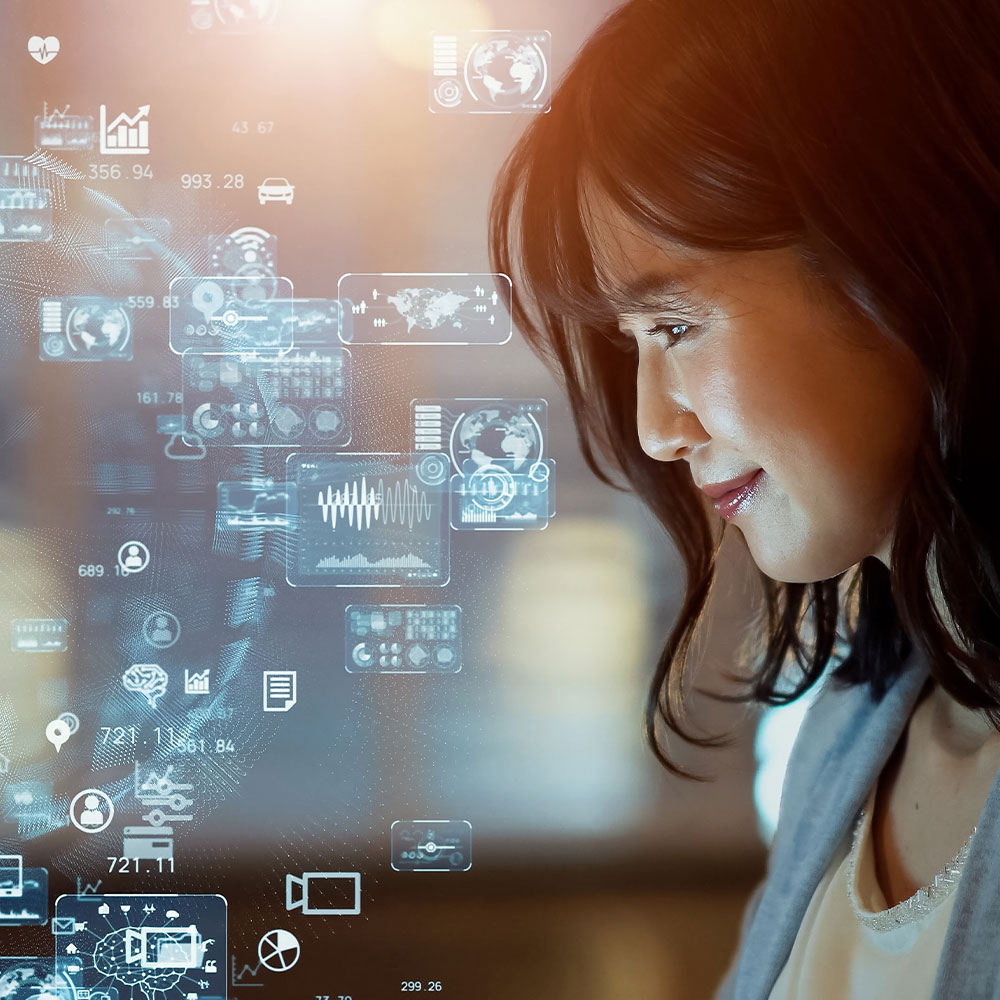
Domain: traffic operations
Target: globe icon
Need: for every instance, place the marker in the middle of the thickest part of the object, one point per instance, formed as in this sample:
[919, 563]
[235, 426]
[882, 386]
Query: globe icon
[36, 982]
[505, 72]
[98, 330]
[499, 436]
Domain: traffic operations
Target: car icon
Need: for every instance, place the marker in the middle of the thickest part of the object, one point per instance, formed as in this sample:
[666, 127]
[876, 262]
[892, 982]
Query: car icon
[275, 189]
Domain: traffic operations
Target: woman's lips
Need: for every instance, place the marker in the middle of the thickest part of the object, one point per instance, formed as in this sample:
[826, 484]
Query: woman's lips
[737, 500]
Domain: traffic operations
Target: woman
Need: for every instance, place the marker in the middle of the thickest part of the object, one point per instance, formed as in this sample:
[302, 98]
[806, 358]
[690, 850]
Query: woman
[760, 242]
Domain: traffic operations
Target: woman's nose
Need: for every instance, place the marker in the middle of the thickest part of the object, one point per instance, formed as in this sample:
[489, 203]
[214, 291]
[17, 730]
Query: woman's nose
[665, 426]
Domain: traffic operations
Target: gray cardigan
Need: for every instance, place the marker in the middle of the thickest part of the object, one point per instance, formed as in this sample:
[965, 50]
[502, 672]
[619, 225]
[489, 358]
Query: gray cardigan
[839, 752]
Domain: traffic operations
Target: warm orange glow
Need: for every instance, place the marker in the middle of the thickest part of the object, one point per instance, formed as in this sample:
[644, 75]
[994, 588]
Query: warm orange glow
[402, 28]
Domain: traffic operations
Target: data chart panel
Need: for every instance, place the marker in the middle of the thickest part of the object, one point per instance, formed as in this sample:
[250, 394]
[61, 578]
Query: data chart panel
[24, 894]
[84, 328]
[299, 399]
[431, 845]
[501, 478]
[320, 323]
[231, 315]
[457, 309]
[403, 638]
[365, 520]
[171, 946]
[25, 215]
[491, 497]
[490, 71]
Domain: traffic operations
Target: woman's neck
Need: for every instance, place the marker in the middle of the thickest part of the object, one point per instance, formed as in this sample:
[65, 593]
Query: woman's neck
[955, 730]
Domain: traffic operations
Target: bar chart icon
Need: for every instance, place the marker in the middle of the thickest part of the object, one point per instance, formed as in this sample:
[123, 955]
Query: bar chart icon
[125, 135]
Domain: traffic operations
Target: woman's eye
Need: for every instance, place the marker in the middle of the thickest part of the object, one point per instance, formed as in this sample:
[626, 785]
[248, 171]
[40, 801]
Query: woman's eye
[672, 331]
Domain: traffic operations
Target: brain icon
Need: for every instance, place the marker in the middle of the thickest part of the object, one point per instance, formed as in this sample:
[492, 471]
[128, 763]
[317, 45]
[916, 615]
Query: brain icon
[148, 679]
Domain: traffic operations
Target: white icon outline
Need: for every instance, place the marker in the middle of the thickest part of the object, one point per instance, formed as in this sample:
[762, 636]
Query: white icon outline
[101, 796]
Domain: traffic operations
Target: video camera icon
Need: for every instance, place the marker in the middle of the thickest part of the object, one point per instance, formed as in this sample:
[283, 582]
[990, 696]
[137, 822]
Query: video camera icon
[314, 891]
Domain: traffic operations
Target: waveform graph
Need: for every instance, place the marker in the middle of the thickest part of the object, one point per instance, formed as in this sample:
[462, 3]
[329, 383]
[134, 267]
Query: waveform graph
[392, 503]
[367, 520]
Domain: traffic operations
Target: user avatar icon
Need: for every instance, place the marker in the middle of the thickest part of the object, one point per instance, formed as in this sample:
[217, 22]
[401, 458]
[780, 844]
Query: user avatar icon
[91, 815]
[96, 813]
[133, 557]
[161, 629]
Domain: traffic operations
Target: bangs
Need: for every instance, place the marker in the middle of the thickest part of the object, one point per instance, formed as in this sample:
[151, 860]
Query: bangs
[697, 175]
[562, 266]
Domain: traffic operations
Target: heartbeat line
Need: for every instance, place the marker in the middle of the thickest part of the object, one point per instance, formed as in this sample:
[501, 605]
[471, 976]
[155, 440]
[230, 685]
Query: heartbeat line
[401, 503]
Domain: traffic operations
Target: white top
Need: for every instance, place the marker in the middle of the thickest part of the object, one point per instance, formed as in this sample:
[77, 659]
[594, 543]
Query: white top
[851, 946]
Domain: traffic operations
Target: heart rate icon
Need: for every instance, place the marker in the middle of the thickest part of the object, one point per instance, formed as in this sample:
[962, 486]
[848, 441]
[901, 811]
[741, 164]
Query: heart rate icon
[43, 50]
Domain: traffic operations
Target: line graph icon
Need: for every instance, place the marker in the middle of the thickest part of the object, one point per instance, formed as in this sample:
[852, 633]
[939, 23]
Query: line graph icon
[368, 520]
[246, 975]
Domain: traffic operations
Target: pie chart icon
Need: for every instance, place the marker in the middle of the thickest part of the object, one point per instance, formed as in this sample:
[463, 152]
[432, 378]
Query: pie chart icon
[278, 950]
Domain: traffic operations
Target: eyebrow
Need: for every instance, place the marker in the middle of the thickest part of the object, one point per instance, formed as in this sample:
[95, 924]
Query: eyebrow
[650, 289]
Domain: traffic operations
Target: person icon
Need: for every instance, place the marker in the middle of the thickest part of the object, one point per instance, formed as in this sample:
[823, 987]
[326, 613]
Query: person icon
[161, 632]
[91, 815]
[97, 813]
[161, 629]
[133, 557]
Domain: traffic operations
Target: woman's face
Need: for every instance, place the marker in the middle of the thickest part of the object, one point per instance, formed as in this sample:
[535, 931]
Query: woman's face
[748, 364]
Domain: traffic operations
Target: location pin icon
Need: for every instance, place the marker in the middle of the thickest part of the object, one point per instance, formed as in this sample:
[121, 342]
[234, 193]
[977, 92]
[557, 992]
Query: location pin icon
[57, 733]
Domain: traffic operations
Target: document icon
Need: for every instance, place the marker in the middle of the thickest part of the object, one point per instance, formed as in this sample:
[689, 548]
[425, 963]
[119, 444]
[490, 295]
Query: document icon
[279, 690]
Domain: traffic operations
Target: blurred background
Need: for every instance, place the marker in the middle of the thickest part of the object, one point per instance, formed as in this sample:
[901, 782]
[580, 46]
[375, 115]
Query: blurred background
[595, 874]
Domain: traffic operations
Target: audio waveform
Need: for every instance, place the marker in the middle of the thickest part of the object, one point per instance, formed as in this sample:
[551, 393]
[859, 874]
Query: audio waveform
[400, 503]
[25, 914]
[474, 516]
[361, 561]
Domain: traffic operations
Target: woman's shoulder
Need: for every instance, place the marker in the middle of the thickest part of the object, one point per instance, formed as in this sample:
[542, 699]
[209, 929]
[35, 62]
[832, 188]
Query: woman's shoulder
[844, 734]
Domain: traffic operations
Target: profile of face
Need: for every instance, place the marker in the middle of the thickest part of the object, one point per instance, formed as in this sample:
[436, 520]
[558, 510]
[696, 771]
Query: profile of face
[745, 361]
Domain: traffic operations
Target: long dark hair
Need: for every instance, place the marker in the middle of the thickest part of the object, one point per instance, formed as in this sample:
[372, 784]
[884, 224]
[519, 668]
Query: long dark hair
[866, 136]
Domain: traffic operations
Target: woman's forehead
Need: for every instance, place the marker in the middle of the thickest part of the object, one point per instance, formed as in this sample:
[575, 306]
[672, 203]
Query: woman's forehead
[631, 264]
